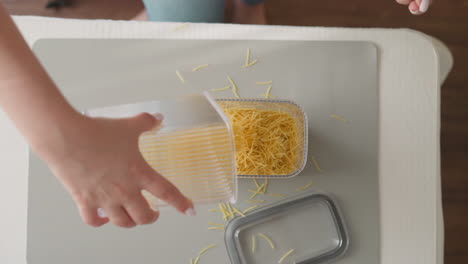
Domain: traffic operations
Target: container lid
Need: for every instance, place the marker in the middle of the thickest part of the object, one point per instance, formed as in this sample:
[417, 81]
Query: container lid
[179, 113]
[305, 229]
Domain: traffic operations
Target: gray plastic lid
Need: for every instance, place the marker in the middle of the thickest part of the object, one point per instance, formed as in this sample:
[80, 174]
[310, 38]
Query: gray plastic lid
[311, 225]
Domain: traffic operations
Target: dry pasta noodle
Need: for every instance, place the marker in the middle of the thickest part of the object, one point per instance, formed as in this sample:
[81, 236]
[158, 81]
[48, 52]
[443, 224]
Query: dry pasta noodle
[337, 117]
[253, 243]
[221, 89]
[181, 78]
[206, 249]
[266, 141]
[227, 214]
[304, 187]
[254, 193]
[215, 224]
[231, 81]
[256, 183]
[258, 191]
[285, 255]
[202, 252]
[233, 86]
[272, 245]
[223, 211]
[247, 58]
[249, 209]
[268, 93]
[239, 212]
[250, 64]
[317, 167]
[266, 186]
[231, 210]
[236, 94]
[199, 67]
[215, 228]
[261, 189]
[264, 83]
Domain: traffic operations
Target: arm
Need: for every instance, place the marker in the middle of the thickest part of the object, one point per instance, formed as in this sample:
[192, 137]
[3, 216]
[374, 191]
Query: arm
[82, 152]
[25, 88]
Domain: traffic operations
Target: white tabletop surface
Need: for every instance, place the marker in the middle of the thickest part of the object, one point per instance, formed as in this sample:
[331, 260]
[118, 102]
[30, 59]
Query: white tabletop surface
[411, 68]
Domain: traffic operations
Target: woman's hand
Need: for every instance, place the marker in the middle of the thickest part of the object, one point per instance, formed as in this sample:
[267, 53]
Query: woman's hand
[97, 160]
[99, 163]
[416, 7]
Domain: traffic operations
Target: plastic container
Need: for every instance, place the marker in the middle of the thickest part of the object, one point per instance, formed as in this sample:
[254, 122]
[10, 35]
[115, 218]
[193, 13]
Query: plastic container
[311, 226]
[285, 106]
[193, 148]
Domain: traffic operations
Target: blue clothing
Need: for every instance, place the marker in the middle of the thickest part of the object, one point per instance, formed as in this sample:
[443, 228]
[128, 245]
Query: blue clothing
[208, 11]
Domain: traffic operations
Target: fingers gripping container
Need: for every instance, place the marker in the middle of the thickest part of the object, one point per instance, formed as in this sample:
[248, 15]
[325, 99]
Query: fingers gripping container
[193, 148]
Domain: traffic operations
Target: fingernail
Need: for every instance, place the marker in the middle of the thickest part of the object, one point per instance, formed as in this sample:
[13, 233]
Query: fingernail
[101, 213]
[414, 11]
[158, 116]
[424, 6]
[190, 212]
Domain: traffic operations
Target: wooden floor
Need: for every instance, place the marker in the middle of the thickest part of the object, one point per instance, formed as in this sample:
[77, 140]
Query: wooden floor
[447, 20]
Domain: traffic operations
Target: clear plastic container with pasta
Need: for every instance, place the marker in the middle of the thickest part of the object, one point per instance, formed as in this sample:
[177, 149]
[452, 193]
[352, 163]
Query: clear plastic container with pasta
[270, 136]
[193, 148]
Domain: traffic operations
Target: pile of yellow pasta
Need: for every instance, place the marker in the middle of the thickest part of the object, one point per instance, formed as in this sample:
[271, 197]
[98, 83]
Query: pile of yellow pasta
[266, 141]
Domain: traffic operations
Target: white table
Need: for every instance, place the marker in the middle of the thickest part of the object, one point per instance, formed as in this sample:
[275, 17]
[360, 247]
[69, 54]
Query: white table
[412, 68]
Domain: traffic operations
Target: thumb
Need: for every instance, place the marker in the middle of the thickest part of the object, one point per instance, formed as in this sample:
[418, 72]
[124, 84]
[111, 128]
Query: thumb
[145, 121]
